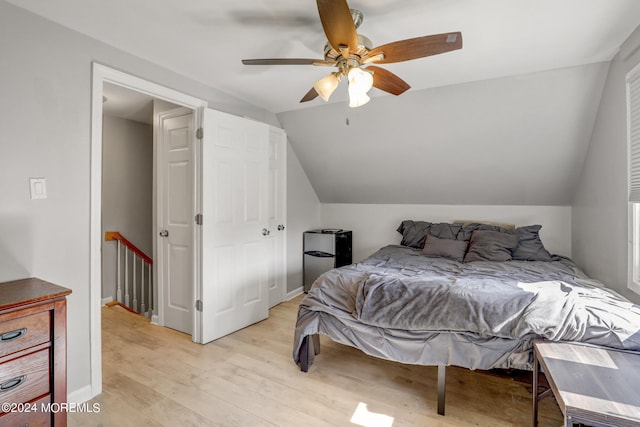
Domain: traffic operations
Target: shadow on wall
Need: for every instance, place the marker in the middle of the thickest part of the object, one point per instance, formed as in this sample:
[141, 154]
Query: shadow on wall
[16, 248]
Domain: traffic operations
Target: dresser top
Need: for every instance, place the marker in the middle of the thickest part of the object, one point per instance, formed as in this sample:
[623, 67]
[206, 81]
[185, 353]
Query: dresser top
[29, 291]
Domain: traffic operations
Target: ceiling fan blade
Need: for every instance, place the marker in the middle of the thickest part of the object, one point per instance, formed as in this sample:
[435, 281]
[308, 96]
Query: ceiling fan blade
[311, 95]
[419, 47]
[387, 81]
[338, 24]
[282, 61]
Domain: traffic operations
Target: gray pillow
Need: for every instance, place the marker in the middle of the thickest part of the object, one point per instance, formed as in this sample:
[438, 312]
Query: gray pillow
[530, 247]
[467, 229]
[488, 245]
[446, 248]
[413, 233]
[444, 230]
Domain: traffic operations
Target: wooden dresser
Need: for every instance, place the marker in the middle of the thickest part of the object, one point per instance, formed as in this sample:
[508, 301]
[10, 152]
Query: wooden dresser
[33, 353]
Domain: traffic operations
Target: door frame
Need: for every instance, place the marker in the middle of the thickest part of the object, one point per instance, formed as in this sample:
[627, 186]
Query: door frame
[100, 75]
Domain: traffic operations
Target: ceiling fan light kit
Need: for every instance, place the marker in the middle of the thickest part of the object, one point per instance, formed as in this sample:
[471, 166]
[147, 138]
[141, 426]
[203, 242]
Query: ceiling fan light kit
[326, 85]
[357, 98]
[360, 82]
[352, 53]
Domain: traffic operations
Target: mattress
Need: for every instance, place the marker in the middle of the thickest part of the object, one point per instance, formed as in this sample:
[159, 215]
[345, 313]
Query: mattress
[400, 305]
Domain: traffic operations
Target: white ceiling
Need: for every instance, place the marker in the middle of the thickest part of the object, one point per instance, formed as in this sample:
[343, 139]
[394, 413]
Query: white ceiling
[206, 39]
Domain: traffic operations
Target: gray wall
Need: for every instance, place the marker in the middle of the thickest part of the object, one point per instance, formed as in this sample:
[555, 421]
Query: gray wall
[600, 208]
[374, 226]
[45, 112]
[127, 167]
[303, 213]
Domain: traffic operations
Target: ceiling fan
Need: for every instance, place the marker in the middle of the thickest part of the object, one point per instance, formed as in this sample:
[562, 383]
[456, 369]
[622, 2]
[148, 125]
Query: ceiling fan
[352, 54]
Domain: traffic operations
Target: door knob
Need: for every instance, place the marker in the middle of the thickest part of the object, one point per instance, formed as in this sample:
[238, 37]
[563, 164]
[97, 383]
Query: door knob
[280, 227]
[265, 232]
[164, 233]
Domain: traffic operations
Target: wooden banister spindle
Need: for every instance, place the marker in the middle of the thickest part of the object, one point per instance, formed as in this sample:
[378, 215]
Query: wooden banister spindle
[135, 299]
[143, 306]
[131, 283]
[126, 276]
[150, 293]
[119, 277]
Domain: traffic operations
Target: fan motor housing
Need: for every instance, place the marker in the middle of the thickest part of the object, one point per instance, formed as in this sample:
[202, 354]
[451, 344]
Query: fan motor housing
[364, 46]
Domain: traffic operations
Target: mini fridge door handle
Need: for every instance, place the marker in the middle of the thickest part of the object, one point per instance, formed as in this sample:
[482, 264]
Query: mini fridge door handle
[319, 254]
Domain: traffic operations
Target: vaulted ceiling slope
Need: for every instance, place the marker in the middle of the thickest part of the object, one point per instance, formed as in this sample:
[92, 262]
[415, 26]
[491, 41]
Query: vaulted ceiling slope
[206, 40]
[508, 141]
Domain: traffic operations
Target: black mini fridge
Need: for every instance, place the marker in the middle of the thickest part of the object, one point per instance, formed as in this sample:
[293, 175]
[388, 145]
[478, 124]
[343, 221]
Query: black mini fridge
[324, 249]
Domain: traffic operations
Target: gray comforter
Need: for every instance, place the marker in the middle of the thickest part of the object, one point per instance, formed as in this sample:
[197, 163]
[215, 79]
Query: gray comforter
[399, 291]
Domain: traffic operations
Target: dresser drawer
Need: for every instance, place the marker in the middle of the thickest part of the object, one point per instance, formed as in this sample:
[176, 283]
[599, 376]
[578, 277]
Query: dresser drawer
[25, 378]
[31, 415]
[23, 332]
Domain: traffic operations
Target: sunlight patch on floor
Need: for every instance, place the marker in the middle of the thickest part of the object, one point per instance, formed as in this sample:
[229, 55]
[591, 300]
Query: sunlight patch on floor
[363, 417]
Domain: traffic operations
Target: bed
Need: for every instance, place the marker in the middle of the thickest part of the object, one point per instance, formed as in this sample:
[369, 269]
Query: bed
[470, 295]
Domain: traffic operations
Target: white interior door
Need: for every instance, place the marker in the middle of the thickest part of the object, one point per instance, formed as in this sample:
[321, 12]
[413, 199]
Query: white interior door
[176, 218]
[277, 211]
[234, 207]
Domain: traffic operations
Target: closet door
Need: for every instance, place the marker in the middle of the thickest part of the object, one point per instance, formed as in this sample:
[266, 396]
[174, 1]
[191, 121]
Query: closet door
[277, 211]
[235, 224]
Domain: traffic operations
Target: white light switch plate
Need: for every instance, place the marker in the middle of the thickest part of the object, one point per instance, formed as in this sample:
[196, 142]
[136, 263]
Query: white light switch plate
[38, 187]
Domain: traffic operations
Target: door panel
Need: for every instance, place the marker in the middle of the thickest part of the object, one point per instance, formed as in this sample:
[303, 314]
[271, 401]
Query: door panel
[177, 193]
[234, 208]
[252, 171]
[175, 217]
[223, 255]
[178, 262]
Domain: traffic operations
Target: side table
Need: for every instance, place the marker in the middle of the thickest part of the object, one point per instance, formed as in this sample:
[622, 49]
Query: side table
[592, 385]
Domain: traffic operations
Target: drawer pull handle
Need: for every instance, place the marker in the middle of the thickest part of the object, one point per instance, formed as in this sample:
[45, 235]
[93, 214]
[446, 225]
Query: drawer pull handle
[13, 335]
[11, 384]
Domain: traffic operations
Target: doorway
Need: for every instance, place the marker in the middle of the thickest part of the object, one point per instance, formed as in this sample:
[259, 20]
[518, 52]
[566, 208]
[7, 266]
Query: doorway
[102, 75]
[147, 183]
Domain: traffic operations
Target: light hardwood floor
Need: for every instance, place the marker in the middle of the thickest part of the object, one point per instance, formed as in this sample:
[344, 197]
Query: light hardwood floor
[154, 376]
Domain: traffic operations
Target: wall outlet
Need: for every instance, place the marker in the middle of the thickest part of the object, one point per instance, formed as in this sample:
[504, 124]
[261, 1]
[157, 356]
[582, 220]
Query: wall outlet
[38, 187]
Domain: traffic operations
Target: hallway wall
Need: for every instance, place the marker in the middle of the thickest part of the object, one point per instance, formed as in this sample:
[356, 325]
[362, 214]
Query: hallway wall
[127, 165]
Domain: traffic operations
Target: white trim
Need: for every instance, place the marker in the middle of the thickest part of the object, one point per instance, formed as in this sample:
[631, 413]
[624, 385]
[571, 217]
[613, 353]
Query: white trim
[294, 293]
[196, 335]
[633, 279]
[80, 396]
[107, 300]
[633, 211]
[633, 140]
[100, 75]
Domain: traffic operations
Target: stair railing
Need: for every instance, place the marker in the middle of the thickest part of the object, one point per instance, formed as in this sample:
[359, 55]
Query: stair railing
[134, 280]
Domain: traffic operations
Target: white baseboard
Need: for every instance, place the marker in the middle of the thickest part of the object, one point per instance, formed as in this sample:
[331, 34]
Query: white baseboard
[107, 300]
[294, 293]
[80, 396]
[154, 319]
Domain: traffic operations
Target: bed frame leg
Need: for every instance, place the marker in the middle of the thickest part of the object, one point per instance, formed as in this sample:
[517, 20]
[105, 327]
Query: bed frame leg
[441, 388]
[308, 350]
[316, 344]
